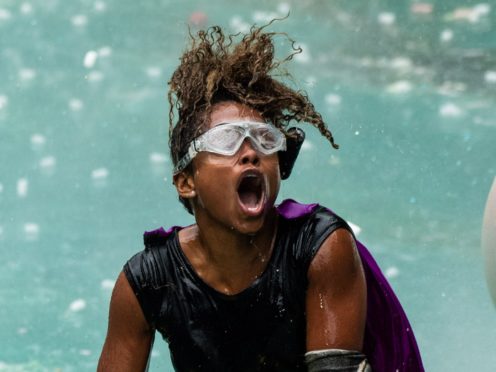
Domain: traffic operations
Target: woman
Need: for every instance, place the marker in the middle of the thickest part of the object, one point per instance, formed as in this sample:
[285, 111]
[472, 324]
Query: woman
[250, 286]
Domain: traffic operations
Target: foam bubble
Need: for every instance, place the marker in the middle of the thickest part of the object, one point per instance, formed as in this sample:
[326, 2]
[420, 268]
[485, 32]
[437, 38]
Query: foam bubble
[198, 19]
[153, 71]
[356, 229]
[76, 104]
[105, 51]
[333, 99]
[311, 81]
[100, 6]
[238, 25]
[155, 354]
[260, 16]
[307, 145]
[392, 272]
[283, 8]
[304, 56]
[5, 14]
[90, 58]
[386, 18]
[77, 305]
[421, 8]
[22, 331]
[37, 140]
[95, 76]
[490, 77]
[401, 63]
[26, 8]
[399, 87]
[450, 110]
[158, 158]
[31, 230]
[107, 284]
[22, 187]
[79, 20]
[26, 74]
[472, 15]
[48, 162]
[446, 35]
[4, 101]
[99, 174]
[482, 9]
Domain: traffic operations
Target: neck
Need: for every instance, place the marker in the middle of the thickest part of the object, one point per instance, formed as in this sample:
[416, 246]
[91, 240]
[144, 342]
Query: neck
[226, 259]
[225, 246]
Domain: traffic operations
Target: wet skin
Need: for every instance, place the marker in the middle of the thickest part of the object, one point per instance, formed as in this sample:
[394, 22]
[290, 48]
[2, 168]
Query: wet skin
[229, 247]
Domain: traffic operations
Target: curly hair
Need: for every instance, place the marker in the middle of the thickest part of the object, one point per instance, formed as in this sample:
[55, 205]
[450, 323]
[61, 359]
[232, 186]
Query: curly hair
[216, 69]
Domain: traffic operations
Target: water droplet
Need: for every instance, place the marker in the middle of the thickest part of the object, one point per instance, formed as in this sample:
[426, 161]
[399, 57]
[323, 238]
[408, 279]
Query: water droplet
[77, 305]
[79, 20]
[386, 18]
[22, 331]
[75, 104]
[5, 14]
[154, 72]
[333, 99]
[100, 6]
[107, 284]
[26, 8]
[48, 162]
[392, 272]
[26, 74]
[490, 77]
[4, 100]
[100, 173]
[446, 35]
[22, 187]
[450, 110]
[90, 58]
[158, 158]
[37, 140]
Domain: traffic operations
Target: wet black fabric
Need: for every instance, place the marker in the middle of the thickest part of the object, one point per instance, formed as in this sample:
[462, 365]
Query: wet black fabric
[260, 329]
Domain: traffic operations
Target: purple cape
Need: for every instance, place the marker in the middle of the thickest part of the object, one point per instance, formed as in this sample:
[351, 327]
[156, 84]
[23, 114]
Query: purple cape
[389, 342]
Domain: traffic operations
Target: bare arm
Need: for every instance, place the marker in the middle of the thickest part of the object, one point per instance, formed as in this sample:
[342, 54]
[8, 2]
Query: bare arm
[129, 336]
[336, 302]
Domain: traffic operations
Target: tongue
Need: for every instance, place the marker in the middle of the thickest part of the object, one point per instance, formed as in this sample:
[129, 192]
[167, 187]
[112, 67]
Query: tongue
[249, 198]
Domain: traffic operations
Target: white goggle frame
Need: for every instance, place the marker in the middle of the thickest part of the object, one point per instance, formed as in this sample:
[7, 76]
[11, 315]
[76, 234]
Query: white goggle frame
[226, 139]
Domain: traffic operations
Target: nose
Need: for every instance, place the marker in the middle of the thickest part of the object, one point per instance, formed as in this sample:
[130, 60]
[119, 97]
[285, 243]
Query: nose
[248, 154]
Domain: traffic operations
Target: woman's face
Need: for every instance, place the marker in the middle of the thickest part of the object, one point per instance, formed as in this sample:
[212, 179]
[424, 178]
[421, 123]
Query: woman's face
[235, 191]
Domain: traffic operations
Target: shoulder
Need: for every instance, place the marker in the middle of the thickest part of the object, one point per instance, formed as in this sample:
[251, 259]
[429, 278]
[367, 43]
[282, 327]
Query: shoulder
[149, 270]
[336, 258]
[311, 216]
[309, 225]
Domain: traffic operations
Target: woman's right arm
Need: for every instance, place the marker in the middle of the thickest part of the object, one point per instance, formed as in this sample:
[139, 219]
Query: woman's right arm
[129, 336]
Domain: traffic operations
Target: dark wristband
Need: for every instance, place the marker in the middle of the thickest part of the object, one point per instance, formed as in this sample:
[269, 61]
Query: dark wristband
[336, 360]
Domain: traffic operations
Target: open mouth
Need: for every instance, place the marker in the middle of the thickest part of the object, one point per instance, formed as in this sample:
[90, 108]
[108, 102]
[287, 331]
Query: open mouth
[251, 192]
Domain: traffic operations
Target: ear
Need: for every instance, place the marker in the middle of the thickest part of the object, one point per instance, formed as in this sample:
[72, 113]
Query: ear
[185, 185]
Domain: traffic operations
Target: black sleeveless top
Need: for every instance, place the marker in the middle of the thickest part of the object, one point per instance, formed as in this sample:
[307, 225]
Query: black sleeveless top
[262, 328]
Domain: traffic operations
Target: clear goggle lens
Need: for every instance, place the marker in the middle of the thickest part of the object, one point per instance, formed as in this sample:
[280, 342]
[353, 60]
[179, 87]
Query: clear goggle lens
[226, 139]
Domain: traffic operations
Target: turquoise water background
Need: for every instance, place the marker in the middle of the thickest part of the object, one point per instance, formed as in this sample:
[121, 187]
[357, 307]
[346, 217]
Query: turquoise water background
[408, 89]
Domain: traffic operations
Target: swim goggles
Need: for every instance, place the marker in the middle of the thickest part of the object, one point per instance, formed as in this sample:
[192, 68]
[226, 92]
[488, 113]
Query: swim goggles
[226, 139]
